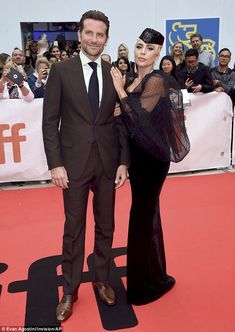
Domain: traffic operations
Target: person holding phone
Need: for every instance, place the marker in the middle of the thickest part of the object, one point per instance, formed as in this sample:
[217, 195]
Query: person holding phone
[31, 53]
[13, 85]
[38, 80]
[195, 76]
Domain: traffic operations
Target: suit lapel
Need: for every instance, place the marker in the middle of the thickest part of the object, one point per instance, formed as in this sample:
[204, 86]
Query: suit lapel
[77, 82]
[105, 78]
[79, 91]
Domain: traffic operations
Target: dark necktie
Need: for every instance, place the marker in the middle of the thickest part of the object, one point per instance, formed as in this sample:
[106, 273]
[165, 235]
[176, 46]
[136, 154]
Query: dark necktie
[93, 90]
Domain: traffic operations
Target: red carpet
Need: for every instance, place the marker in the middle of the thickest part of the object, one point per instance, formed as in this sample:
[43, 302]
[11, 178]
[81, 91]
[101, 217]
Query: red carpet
[198, 222]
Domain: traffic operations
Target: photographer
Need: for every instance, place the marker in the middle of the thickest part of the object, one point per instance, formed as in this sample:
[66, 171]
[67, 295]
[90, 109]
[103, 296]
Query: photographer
[12, 84]
[37, 81]
[31, 53]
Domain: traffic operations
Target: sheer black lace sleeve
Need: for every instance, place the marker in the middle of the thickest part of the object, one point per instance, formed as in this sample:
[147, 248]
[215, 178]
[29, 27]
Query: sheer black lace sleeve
[154, 116]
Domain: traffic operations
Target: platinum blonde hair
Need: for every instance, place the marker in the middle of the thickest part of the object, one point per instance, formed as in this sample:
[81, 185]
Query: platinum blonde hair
[156, 46]
[126, 47]
[40, 61]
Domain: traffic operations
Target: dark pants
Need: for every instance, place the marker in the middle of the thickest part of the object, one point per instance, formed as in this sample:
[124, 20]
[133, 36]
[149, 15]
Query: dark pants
[75, 205]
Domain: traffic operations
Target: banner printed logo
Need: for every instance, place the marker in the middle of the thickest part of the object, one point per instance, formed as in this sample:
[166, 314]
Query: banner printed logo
[182, 29]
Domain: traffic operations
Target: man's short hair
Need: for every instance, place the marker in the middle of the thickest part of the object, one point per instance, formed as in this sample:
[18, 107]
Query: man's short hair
[196, 35]
[225, 49]
[106, 55]
[192, 52]
[94, 15]
[17, 48]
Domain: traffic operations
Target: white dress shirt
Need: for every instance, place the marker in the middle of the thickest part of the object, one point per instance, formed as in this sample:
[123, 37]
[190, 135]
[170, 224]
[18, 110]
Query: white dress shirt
[87, 72]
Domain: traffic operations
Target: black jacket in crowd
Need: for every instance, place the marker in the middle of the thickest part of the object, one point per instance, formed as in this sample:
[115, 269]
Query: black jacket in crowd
[202, 75]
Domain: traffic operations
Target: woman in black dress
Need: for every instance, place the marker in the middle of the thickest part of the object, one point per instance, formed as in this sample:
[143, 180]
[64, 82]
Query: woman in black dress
[152, 109]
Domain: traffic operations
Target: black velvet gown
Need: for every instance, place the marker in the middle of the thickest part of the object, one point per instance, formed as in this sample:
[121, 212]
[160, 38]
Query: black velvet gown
[154, 116]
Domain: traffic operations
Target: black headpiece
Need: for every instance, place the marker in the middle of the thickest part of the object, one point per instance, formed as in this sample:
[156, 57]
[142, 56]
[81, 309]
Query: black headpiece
[150, 36]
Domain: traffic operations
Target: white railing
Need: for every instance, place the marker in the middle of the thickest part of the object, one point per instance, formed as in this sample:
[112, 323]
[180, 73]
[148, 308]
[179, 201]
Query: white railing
[22, 157]
[209, 127]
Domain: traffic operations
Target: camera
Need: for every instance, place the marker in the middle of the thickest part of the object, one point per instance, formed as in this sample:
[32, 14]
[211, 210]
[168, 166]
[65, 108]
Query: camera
[15, 76]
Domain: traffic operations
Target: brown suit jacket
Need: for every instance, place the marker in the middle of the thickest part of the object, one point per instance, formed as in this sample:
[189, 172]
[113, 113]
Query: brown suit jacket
[68, 124]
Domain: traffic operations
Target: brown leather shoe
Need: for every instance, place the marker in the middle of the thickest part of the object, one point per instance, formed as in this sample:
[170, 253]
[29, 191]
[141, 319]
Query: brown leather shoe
[65, 308]
[105, 292]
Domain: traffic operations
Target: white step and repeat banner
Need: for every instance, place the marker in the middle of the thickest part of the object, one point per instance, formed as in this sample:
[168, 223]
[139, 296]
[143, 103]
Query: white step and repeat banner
[22, 157]
[209, 127]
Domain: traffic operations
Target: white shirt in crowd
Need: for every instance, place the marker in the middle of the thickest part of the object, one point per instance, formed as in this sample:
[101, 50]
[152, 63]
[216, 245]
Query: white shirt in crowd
[29, 97]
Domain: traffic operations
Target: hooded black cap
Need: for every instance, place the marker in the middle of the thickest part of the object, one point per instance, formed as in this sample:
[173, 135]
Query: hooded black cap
[151, 36]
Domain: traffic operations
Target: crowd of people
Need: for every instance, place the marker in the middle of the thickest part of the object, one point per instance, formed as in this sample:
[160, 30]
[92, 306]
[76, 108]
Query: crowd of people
[194, 69]
[34, 65]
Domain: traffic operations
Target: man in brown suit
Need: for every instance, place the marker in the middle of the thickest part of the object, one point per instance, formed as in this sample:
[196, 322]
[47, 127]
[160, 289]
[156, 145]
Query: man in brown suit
[86, 149]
